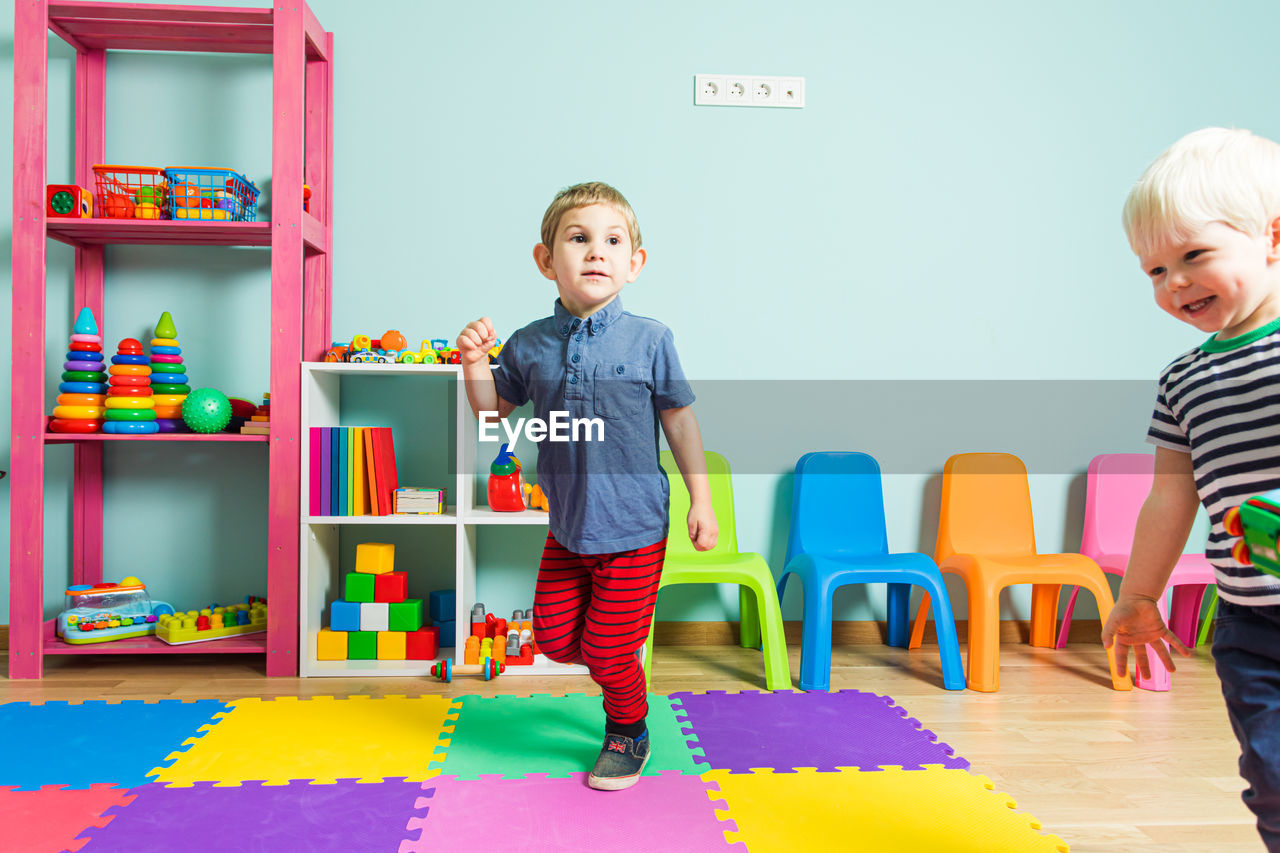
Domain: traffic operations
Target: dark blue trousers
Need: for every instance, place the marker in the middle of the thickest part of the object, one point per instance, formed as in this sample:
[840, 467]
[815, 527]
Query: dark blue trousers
[1246, 651]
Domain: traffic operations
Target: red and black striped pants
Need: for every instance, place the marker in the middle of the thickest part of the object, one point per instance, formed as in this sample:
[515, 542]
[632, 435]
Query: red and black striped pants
[596, 609]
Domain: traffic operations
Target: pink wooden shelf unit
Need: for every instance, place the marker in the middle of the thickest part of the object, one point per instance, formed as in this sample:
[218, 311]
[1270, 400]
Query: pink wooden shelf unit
[301, 152]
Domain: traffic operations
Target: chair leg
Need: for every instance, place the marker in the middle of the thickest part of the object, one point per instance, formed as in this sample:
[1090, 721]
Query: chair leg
[984, 636]
[948, 643]
[815, 639]
[648, 644]
[1044, 614]
[748, 618]
[1184, 611]
[1207, 624]
[1160, 680]
[777, 671]
[899, 600]
[917, 627]
[1065, 630]
[1102, 594]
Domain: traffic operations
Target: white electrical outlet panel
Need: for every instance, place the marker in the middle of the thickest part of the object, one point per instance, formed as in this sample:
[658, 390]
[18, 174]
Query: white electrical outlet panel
[747, 90]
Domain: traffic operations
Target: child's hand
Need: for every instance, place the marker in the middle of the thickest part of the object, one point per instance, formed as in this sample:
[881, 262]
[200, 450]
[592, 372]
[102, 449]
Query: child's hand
[475, 341]
[703, 527]
[1134, 623]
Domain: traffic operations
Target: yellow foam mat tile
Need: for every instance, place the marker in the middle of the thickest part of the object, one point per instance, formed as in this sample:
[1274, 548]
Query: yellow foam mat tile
[885, 811]
[322, 739]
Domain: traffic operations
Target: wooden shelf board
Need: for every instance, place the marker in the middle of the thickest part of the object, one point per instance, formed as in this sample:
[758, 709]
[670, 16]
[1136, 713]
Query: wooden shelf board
[248, 644]
[99, 232]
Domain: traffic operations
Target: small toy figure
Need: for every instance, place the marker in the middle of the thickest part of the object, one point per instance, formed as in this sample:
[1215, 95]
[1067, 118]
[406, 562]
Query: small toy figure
[536, 499]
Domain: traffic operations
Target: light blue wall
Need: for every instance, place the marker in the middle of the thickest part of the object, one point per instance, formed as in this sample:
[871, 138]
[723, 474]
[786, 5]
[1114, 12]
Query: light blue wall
[944, 209]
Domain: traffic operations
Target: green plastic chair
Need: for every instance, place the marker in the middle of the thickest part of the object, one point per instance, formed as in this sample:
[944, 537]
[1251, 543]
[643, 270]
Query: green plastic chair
[761, 617]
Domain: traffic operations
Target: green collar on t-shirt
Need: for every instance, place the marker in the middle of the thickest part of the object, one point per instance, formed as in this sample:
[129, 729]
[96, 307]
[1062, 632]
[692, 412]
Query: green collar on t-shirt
[1216, 345]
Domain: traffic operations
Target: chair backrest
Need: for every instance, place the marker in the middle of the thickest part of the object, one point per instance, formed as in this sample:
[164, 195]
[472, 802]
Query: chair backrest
[986, 506]
[837, 506]
[1117, 486]
[721, 483]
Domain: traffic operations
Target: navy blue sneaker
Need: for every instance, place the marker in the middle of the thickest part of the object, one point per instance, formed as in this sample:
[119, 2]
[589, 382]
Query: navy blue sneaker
[620, 762]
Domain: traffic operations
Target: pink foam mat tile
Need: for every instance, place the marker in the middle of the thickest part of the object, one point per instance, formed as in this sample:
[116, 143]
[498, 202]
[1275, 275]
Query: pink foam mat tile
[50, 817]
[667, 813]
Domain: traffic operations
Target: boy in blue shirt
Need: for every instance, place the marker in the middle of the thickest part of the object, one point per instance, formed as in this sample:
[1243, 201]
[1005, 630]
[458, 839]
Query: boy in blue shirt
[607, 495]
[1204, 220]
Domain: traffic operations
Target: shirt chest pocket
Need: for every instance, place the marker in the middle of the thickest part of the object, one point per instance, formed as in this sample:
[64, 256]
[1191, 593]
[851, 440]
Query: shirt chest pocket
[621, 390]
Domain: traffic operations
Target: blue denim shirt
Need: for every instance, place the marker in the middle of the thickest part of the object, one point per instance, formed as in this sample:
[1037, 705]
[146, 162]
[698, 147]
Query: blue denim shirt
[604, 495]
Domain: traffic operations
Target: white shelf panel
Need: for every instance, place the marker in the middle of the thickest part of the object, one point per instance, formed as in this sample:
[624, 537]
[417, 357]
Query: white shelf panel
[484, 515]
[450, 517]
[382, 369]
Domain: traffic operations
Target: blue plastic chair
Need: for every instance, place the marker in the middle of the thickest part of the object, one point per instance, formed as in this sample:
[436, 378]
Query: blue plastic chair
[838, 537]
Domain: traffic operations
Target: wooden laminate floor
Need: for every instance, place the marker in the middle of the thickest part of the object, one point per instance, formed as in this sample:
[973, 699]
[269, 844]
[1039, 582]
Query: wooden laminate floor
[1137, 772]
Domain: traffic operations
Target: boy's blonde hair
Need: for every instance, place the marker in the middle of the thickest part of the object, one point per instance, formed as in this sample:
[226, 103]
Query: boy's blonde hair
[1211, 175]
[582, 195]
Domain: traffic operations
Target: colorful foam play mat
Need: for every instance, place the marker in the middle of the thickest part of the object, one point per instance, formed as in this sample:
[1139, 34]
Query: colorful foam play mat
[750, 771]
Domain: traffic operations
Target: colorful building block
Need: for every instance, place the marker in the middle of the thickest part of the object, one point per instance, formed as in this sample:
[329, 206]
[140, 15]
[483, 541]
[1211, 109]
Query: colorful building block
[359, 586]
[197, 626]
[391, 587]
[362, 645]
[344, 615]
[391, 645]
[422, 644]
[331, 645]
[375, 558]
[448, 632]
[440, 606]
[374, 616]
[405, 615]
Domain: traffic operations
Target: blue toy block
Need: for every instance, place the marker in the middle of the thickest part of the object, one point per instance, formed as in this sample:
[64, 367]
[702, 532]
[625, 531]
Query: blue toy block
[448, 632]
[344, 616]
[441, 605]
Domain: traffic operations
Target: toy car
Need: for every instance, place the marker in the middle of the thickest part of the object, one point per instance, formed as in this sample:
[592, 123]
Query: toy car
[1257, 523]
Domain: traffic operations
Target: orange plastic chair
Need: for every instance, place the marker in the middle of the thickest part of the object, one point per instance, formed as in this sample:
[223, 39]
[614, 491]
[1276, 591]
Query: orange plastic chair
[986, 536]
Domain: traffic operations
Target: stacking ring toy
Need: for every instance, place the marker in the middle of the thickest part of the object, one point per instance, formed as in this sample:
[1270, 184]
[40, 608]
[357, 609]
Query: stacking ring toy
[83, 413]
[117, 403]
[162, 349]
[125, 358]
[130, 369]
[76, 426]
[129, 380]
[86, 339]
[80, 400]
[130, 415]
[81, 375]
[83, 388]
[130, 428]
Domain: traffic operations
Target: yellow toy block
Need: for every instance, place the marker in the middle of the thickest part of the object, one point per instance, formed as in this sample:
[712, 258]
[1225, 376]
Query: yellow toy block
[375, 558]
[331, 645]
[391, 645]
[198, 626]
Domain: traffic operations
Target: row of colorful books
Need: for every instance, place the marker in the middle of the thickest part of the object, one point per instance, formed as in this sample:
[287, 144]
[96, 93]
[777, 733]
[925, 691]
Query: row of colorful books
[353, 471]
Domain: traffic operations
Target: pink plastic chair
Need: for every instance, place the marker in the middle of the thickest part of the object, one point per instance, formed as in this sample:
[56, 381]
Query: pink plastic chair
[1118, 484]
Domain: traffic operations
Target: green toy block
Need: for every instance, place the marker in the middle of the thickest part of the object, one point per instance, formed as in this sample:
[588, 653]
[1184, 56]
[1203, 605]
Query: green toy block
[359, 587]
[405, 615]
[362, 645]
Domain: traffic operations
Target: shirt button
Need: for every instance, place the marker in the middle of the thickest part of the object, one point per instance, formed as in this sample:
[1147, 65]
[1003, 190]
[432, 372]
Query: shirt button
[573, 380]
[577, 357]
[621, 369]
[577, 337]
[577, 323]
[564, 330]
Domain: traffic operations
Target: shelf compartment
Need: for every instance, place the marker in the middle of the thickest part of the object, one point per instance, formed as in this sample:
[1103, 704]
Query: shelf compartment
[102, 232]
[76, 438]
[252, 644]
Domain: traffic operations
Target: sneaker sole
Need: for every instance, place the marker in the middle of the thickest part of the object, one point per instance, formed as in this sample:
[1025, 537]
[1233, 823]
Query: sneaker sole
[616, 783]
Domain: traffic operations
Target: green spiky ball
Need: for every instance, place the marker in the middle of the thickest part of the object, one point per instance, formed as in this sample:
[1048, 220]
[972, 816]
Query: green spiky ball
[206, 410]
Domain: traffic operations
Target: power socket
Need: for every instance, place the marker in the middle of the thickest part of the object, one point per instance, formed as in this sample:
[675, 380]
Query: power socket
[746, 90]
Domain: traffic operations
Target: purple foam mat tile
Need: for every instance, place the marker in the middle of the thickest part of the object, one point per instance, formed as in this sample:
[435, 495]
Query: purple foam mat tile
[786, 730]
[345, 816]
[668, 813]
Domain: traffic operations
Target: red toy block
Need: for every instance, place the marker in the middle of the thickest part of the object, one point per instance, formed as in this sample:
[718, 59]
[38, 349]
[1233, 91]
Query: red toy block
[479, 629]
[392, 587]
[525, 659]
[67, 201]
[422, 644]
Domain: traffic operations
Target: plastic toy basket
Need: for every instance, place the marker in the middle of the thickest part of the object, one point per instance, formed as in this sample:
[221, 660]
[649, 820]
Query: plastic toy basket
[130, 192]
[210, 194]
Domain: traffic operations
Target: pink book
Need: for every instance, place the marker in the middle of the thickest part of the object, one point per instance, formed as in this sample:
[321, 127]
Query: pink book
[313, 471]
[387, 482]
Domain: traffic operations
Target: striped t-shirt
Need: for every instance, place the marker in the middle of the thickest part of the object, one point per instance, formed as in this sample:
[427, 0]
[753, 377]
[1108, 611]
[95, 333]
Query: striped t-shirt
[1221, 403]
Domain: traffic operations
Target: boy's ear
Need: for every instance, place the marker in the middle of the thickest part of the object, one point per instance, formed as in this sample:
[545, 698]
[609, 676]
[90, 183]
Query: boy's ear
[542, 257]
[637, 263]
[1273, 234]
